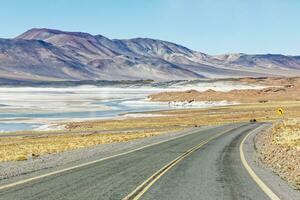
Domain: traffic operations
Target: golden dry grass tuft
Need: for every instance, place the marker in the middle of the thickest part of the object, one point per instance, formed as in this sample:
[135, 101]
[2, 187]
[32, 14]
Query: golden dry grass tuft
[280, 150]
[288, 133]
[14, 147]
[191, 117]
[21, 158]
[20, 148]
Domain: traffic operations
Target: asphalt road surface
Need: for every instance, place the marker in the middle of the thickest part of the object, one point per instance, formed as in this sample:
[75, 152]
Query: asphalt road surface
[210, 170]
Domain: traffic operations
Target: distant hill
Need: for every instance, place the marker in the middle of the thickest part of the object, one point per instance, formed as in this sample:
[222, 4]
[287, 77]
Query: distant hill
[52, 55]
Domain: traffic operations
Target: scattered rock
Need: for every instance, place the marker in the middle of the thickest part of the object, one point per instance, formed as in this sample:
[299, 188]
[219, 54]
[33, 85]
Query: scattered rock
[281, 158]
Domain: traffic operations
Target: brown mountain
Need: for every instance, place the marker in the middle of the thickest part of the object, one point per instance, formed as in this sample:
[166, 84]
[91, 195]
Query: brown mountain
[45, 54]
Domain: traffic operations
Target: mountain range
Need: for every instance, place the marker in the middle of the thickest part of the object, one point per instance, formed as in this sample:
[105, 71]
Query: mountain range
[54, 55]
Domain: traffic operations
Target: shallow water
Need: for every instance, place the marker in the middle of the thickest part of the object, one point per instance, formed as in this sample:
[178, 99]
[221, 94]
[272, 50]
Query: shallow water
[86, 102]
[11, 127]
[117, 107]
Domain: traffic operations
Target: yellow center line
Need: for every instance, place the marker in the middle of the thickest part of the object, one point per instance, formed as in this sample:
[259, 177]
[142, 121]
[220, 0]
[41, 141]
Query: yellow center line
[20, 182]
[144, 187]
[258, 181]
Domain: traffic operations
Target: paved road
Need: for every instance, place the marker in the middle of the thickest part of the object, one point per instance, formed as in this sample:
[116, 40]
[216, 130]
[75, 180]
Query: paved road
[213, 171]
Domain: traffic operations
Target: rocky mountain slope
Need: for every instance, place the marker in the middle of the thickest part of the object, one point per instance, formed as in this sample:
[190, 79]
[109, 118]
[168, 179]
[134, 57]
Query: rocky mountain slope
[45, 54]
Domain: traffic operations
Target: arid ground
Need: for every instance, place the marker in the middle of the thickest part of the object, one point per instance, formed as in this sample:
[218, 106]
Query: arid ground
[279, 148]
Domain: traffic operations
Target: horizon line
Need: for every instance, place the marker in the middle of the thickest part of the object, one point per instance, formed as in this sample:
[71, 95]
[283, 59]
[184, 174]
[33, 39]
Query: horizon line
[131, 38]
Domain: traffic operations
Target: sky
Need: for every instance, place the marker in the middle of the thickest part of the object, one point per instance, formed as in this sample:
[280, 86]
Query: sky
[209, 26]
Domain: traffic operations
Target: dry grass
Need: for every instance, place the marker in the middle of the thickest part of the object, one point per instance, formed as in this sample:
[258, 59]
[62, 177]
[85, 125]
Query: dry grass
[191, 117]
[288, 134]
[18, 148]
[280, 150]
[21, 148]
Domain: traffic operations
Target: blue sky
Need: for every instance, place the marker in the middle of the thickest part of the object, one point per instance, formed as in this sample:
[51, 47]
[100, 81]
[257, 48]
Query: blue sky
[209, 26]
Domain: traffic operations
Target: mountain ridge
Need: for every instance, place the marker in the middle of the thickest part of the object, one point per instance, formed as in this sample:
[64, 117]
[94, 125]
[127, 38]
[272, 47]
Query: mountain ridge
[49, 54]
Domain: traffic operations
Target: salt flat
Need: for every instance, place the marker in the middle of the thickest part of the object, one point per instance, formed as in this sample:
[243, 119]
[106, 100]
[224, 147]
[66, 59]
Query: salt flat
[24, 108]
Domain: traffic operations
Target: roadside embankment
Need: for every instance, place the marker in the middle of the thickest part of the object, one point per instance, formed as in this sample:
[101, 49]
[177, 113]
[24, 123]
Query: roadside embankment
[279, 149]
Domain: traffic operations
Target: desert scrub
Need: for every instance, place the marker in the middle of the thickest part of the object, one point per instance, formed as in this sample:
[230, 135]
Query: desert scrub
[21, 158]
[279, 148]
[185, 118]
[18, 148]
[288, 133]
[191, 117]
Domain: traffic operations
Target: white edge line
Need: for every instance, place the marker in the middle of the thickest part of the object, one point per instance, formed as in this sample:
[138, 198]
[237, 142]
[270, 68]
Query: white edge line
[258, 181]
[95, 161]
[175, 162]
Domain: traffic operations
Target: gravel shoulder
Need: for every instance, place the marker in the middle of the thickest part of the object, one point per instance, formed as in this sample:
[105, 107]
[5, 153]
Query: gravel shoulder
[270, 178]
[17, 170]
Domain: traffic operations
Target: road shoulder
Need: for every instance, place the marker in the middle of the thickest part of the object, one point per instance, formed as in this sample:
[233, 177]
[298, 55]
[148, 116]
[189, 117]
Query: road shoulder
[272, 180]
[14, 171]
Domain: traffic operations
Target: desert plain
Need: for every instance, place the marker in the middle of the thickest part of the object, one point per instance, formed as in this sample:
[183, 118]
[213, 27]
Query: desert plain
[278, 148]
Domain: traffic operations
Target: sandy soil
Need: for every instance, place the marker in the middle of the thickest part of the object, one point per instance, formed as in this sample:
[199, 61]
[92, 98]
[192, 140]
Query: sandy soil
[279, 149]
[279, 89]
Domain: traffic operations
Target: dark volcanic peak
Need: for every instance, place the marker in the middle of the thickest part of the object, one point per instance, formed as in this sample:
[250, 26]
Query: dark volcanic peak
[59, 55]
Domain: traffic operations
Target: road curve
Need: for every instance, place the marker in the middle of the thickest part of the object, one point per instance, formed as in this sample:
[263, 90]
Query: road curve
[213, 170]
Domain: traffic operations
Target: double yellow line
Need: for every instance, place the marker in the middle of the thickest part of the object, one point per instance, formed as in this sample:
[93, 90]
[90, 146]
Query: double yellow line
[35, 178]
[144, 187]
